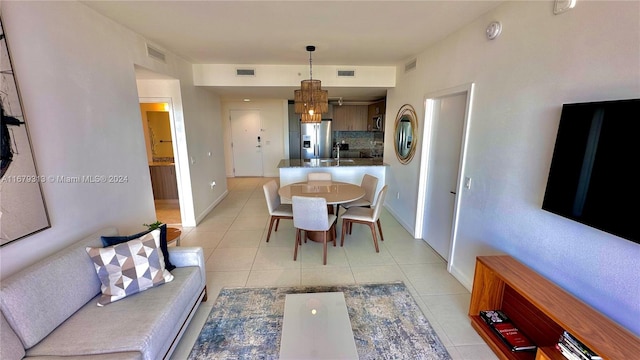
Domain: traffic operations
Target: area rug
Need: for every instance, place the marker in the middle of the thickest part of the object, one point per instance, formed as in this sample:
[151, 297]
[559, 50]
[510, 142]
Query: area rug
[246, 323]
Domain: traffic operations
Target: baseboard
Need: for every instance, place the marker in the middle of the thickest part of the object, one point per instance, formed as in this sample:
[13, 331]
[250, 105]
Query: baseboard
[209, 208]
[462, 279]
[406, 226]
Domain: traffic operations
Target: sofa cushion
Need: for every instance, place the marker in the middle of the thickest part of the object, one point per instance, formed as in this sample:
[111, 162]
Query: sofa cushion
[10, 346]
[146, 322]
[115, 240]
[130, 267]
[39, 298]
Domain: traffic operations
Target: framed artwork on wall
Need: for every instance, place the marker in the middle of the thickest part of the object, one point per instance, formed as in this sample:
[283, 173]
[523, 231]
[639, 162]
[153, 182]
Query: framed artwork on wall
[22, 207]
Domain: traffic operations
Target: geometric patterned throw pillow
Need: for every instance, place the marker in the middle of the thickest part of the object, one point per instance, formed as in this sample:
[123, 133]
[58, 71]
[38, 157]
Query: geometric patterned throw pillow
[114, 240]
[129, 267]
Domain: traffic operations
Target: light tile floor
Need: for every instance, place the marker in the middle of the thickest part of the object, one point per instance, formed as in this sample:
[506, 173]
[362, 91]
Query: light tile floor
[233, 238]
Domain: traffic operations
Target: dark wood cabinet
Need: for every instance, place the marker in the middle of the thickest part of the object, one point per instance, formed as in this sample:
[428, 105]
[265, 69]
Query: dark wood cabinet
[163, 182]
[374, 110]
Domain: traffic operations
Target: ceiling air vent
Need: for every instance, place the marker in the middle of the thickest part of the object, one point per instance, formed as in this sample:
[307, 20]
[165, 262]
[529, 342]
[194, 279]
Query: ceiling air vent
[410, 65]
[245, 72]
[156, 54]
[346, 73]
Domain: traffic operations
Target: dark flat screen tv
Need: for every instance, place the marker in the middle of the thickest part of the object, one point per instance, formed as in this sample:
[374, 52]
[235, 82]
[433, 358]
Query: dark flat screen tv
[594, 165]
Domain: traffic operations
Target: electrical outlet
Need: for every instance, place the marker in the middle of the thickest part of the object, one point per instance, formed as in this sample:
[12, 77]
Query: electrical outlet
[398, 195]
[467, 182]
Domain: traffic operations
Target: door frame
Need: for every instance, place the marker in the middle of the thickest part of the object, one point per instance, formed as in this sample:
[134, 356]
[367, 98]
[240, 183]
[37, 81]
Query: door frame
[180, 161]
[430, 102]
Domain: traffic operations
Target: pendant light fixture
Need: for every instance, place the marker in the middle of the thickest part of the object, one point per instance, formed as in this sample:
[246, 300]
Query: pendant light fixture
[311, 101]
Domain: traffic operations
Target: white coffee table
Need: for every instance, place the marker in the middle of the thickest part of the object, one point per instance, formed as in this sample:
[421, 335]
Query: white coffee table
[316, 326]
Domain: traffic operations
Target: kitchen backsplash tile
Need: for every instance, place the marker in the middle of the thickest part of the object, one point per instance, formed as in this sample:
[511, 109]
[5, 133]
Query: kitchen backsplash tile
[370, 143]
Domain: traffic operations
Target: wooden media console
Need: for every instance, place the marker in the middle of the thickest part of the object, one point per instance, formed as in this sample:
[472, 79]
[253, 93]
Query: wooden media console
[541, 310]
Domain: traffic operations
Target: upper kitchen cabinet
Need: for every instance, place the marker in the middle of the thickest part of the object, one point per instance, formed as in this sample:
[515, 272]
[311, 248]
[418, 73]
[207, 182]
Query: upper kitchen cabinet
[375, 116]
[350, 118]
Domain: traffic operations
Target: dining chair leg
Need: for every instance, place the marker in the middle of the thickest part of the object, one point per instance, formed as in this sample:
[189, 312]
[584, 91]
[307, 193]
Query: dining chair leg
[295, 252]
[271, 226]
[345, 223]
[375, 238]
[277, 223]
[380, 228]
[334, 233]
[324, 254]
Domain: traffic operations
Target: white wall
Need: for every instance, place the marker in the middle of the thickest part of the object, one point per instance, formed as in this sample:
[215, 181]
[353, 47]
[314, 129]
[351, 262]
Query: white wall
[75, 70]
[522, 78]
[275, 132]
[291, 75]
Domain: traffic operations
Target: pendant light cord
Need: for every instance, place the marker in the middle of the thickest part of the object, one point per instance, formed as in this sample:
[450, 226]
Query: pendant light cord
[310, 67]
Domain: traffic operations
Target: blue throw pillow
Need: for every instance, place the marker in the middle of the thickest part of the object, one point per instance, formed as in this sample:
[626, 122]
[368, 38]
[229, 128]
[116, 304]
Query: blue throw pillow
[115, 240]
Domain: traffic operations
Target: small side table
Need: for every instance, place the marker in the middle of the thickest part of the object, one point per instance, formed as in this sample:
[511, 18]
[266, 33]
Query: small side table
[173, 234]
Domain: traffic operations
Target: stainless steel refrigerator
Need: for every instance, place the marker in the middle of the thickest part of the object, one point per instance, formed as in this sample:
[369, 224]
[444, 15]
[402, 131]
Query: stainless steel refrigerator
[316, 140]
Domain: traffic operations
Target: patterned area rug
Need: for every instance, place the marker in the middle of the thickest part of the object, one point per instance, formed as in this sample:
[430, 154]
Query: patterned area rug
[246, 323]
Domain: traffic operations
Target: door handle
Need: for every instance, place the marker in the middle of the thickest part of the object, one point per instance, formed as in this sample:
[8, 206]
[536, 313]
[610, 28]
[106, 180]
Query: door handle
[453, 192]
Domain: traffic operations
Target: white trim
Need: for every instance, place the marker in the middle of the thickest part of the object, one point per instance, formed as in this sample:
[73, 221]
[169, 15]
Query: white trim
[210, 208]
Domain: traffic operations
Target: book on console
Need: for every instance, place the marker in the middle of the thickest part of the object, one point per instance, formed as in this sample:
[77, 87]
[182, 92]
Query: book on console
[500, 323]
[576, 347]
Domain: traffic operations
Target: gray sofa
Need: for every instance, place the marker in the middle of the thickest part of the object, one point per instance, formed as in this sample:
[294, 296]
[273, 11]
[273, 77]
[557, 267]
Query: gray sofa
[49, 309]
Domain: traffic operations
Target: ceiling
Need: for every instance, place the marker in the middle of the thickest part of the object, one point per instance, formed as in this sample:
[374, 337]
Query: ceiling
[353, 33]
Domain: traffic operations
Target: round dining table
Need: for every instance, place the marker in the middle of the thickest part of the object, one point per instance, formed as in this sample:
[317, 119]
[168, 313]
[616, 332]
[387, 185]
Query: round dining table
[334, 192]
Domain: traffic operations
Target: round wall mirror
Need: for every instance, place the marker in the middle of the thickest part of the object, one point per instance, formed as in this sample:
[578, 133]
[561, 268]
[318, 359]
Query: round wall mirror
[405, 133]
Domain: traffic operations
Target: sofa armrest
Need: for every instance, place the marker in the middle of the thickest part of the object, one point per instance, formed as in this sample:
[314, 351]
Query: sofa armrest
[182, 256]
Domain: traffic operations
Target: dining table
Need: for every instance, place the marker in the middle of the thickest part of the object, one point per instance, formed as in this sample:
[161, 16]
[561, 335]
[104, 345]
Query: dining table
[334, 192]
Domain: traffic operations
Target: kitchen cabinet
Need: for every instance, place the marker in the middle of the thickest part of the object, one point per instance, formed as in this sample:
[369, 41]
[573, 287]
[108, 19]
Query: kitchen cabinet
[350, 118]
[163, 181]
[375, 109]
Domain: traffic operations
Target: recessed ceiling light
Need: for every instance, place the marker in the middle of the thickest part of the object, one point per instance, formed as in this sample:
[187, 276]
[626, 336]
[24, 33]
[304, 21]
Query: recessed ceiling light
[246, 100]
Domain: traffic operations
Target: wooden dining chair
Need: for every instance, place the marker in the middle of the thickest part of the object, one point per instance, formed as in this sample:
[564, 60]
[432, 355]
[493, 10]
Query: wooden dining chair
[367, 216]
[323, 176]
[277, 210]
[310, 214]
[369, 183]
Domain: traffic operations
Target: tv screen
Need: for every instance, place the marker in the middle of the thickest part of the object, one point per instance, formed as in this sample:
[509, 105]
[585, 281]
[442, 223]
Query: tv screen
[594, 165]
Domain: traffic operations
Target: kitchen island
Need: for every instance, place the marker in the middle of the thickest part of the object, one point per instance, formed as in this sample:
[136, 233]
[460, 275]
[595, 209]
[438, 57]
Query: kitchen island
[345, 170]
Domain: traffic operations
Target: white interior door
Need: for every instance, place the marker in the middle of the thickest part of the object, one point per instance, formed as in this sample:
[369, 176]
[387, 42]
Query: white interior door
[444, 162]
[246, 142]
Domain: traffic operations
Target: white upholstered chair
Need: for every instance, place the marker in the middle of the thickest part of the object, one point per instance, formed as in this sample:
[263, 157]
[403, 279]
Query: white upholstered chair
[322, 176]
[277, 210]
[369, 184]
[310, 214]
[367, 216]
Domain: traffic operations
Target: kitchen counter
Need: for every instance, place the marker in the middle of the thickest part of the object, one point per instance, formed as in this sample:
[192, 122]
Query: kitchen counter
[346, 170]
[325, 163]
[161, 163]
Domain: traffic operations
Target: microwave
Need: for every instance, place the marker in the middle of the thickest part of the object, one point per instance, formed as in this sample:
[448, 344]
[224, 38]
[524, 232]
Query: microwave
[376, 123]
